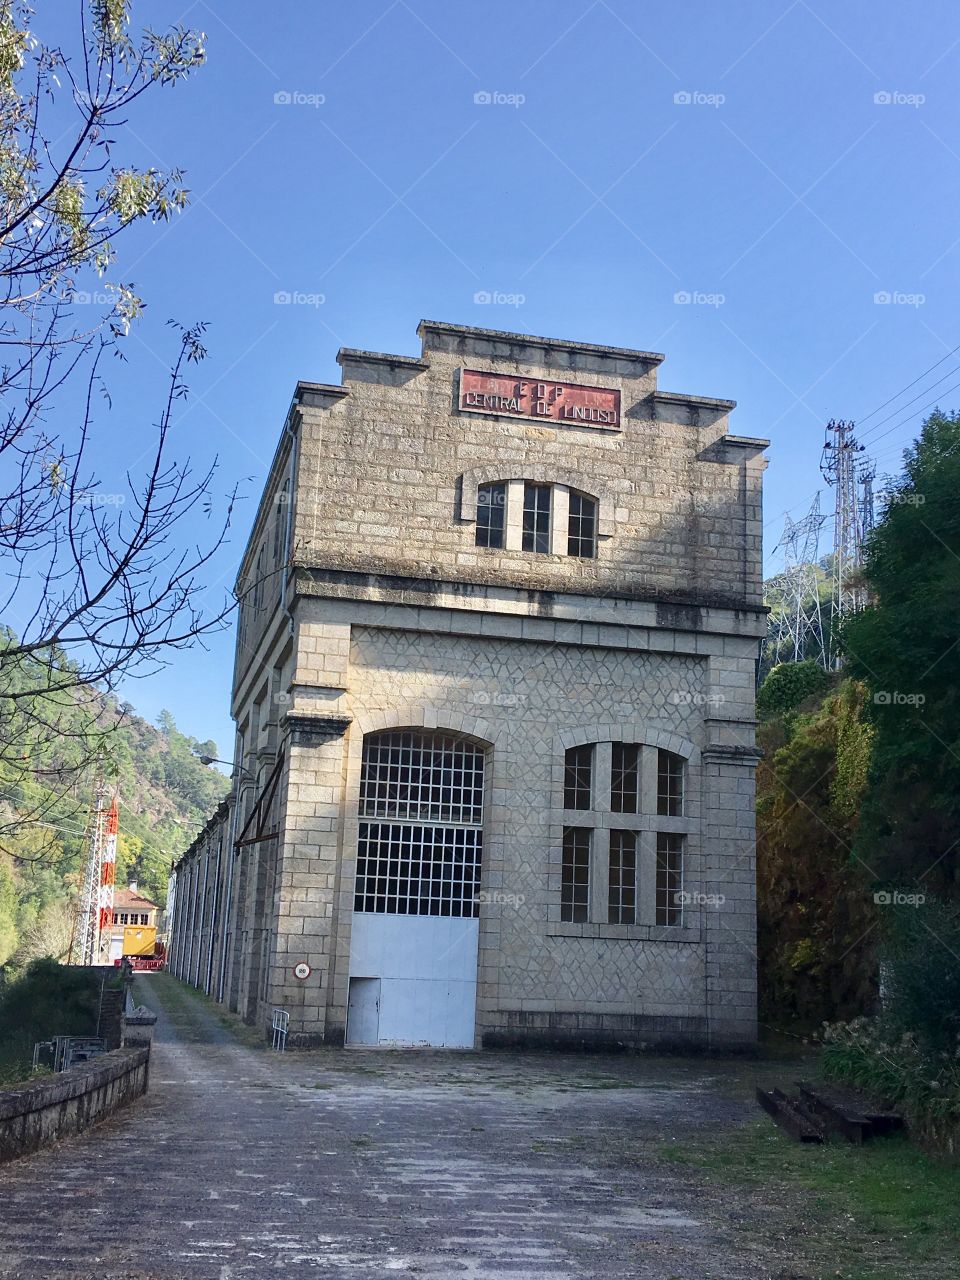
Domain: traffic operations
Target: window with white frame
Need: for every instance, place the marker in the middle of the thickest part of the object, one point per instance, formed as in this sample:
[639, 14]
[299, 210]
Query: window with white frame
[536, 517]
[491, 514]
[421, 824]
[582, 526]
[539, 518]
[625, 829]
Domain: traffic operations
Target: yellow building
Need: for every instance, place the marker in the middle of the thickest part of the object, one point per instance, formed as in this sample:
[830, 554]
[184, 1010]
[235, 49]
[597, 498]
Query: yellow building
[134, 931]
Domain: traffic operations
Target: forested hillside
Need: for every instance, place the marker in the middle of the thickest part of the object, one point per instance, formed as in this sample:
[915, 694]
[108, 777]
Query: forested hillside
[54, 750]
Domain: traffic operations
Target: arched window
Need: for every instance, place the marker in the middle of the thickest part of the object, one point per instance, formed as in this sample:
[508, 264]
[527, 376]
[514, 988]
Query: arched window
[421, 824]
[623, 835]
[541, 518]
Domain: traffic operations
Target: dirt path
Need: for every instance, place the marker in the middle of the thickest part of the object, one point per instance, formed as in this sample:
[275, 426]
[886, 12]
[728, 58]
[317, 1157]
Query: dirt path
[241, 1164]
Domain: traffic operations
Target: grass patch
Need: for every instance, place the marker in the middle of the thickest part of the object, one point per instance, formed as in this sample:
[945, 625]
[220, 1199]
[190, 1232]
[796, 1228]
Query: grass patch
[181, 1003]
[878, 1212]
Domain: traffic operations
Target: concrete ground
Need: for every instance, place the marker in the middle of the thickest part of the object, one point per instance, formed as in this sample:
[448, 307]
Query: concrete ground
[241, 1164]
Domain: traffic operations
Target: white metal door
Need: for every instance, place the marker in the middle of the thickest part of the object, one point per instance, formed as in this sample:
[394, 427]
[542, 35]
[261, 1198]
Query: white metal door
[363, 1011]
[427, 967]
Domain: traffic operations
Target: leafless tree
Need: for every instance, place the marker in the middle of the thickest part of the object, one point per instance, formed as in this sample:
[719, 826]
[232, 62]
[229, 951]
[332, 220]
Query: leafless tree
[94, 586]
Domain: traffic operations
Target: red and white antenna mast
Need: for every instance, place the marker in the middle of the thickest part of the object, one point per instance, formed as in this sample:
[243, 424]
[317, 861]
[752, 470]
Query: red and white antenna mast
[91, 932]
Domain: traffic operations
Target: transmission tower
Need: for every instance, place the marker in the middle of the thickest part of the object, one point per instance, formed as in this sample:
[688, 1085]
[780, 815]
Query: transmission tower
[796, 593]
[842, 469]
[91, 930]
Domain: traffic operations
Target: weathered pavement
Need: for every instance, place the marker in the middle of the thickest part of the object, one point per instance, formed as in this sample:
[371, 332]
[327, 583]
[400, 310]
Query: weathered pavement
[240, 1164]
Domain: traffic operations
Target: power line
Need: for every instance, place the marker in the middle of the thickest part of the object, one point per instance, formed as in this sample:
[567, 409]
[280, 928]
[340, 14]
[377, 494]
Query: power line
[919, 396]
[936, 365]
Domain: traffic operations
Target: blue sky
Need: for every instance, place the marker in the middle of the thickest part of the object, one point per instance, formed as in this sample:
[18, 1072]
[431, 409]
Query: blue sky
[785, 165]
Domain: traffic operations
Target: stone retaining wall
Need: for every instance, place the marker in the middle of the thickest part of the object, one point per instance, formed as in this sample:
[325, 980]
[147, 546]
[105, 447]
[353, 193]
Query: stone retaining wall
[37, 1114]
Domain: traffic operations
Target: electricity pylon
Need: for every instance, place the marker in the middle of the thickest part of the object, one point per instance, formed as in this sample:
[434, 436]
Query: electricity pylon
[843, 470]
[796, 594]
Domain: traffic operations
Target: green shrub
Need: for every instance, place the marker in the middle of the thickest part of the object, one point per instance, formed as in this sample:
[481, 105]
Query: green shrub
[788, 686]
[920, 964]
[48, 999]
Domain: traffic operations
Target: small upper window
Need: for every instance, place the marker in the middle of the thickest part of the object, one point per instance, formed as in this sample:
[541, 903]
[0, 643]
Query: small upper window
[578, 777]
[625, 778]
[669, 784]
[536, 517]
[582, 528]
[491, 514]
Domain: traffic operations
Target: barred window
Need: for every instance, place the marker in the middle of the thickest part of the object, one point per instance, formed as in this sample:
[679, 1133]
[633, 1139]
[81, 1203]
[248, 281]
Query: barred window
[669, 784]
[578, 777]
[669, 878]
[623, 878]
[582, 527]
[575, 877]
[425, 859]
[407, 869]
[536, 517]
[625, 778]
[421, 776]
[491, 514]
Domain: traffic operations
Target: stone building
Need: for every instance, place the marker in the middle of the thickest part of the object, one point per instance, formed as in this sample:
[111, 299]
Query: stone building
[494, 695]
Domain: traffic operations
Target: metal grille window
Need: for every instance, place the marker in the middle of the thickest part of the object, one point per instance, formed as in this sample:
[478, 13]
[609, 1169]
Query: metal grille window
[491, 514]
[578, 778]
[623, 878]
[422, 777]
[582, 527]
[536, 517]
[669, 878]
[669, 784]
[575, 877]
[425, 859]
[625, 778]
[407, 869]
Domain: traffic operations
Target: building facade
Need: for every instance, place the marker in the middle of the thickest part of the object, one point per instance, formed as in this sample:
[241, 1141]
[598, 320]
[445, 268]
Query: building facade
[494, 694]
[134, 925]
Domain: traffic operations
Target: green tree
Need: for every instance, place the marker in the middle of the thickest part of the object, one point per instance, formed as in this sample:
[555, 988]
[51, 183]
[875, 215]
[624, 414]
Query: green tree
[815, 909]
[788, 686]
[904, 646]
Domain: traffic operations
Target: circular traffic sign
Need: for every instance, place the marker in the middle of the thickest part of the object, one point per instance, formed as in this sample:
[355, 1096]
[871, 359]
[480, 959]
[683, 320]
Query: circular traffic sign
[301, 971]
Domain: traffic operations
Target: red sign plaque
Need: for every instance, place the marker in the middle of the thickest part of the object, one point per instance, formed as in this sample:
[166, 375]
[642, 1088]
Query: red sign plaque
[568, 403]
